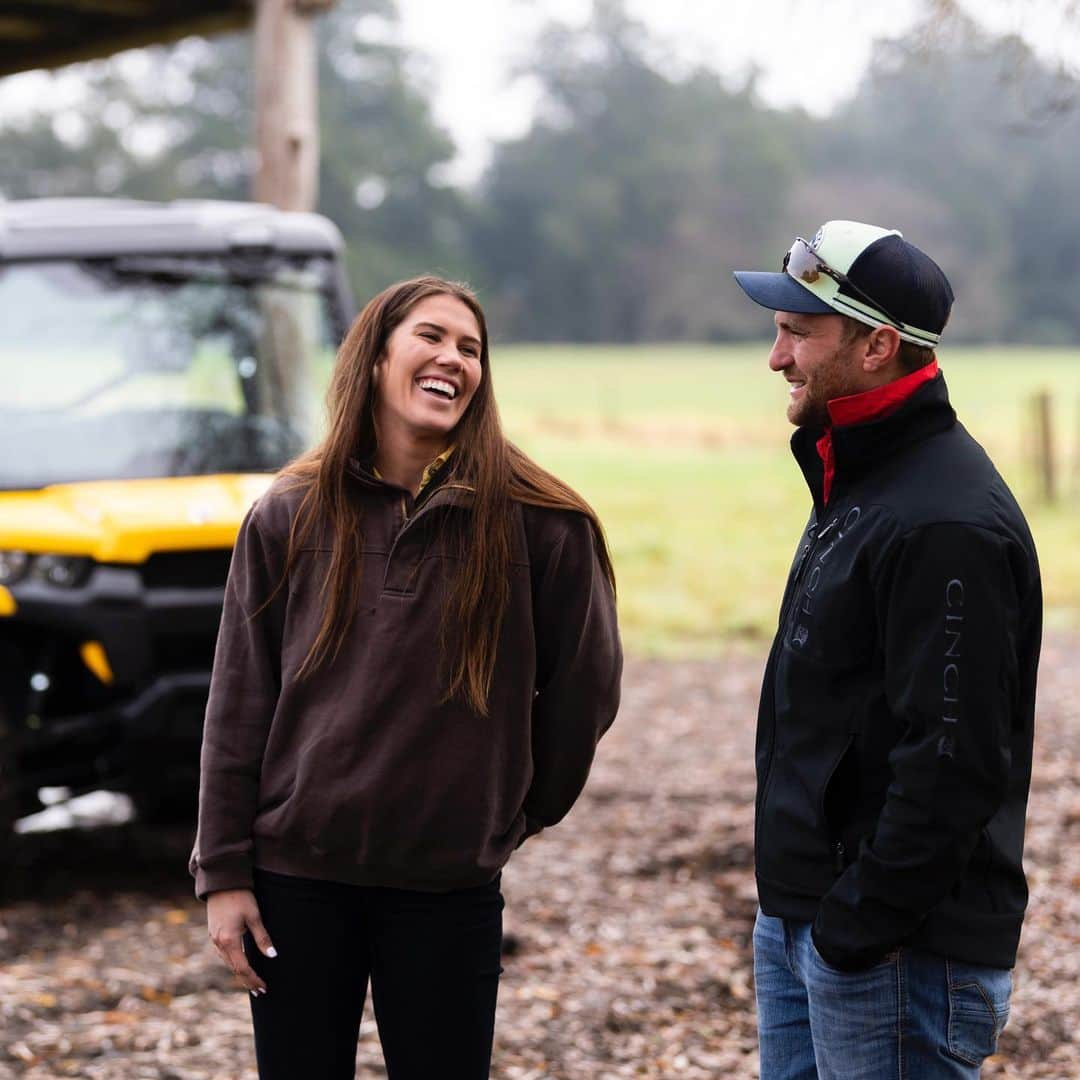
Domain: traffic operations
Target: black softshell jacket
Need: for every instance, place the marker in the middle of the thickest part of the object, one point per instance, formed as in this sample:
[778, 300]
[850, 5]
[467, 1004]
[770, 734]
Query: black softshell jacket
[896, 719]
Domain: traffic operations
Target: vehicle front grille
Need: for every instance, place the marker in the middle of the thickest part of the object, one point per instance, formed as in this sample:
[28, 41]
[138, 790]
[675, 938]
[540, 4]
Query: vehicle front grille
[187, 569]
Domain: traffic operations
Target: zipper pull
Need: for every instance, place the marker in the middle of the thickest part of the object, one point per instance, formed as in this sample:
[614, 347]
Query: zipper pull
[839, 857]
[828, 529]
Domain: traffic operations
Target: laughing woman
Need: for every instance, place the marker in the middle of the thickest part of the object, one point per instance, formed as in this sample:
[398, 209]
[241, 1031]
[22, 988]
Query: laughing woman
[417, 656]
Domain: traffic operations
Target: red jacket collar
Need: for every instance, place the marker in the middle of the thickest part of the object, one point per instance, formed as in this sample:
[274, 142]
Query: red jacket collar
[861, 409]
[879, 402]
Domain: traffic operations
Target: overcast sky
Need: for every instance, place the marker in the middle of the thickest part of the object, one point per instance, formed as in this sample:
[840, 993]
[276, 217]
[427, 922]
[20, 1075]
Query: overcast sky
[807, 52]
[812, 53]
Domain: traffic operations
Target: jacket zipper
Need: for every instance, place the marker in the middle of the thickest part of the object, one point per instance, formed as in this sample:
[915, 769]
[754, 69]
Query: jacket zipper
[800, 568]
[796, 579]
[408, 522]
[839, 857]
[838, 849]
[805, 559]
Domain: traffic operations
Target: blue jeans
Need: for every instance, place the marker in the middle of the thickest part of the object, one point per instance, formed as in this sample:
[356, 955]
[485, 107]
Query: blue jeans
[914, 1016]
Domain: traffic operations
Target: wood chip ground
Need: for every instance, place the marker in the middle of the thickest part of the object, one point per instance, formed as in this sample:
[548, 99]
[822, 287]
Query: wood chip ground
[628, 927]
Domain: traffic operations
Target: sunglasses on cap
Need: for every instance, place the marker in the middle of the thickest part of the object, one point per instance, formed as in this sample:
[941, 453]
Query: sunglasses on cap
[803, 263]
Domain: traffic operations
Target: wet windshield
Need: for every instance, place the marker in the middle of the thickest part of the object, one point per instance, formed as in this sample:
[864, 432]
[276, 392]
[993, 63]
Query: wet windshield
[150, 367]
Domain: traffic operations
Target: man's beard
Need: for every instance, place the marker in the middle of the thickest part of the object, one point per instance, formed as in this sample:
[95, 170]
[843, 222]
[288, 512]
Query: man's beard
[831, 379]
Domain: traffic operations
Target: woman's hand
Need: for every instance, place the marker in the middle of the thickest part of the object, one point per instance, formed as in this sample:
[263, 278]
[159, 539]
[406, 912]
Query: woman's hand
[228, 914]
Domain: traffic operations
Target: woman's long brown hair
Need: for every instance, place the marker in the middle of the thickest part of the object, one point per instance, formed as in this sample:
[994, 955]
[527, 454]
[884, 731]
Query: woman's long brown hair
[497, 471]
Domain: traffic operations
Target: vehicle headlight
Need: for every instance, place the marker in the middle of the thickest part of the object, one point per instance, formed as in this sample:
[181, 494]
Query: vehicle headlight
[13, 566]
[66, 571]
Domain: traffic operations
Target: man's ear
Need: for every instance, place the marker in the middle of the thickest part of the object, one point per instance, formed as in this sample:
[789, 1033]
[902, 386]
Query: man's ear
[882, 348]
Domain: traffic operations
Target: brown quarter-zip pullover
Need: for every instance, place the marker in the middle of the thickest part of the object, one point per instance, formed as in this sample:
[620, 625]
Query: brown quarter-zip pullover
[362, 773]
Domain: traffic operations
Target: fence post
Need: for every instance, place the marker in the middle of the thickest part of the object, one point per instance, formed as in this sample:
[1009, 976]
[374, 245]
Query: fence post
[1044, 446]
[1075, 480]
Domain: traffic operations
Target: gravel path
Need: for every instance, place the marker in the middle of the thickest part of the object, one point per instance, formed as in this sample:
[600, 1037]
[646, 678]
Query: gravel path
[628, 927]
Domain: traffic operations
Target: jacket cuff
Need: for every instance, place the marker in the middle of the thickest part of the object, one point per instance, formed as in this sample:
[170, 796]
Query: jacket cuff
[849, 961]
[532, 827]
[234, 873]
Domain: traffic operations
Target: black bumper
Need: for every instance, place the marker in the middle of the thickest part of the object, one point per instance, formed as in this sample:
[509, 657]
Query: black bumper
[138, 731]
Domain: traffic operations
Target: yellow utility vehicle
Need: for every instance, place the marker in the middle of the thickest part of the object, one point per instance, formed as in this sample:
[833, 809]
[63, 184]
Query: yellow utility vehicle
[159, 362]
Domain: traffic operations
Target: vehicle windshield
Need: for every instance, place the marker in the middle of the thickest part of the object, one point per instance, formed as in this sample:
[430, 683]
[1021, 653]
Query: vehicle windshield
[151, 367]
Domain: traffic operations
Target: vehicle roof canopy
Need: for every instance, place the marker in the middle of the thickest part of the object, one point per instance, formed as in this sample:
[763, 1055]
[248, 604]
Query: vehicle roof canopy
[88, 228]
[48, 33]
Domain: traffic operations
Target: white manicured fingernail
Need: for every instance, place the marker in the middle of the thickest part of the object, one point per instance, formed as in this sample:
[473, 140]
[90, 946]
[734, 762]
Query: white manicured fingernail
[271, 952]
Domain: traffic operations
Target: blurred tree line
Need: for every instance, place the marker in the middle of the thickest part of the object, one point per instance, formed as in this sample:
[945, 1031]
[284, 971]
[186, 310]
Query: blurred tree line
[619, 215]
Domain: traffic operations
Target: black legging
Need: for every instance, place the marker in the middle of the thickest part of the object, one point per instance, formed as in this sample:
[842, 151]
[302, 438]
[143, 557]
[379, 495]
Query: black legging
[433, 961]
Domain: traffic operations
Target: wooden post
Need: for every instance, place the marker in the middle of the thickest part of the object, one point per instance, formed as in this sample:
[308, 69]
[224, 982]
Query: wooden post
[1044, 446]
[286, 103]
[1076, 454]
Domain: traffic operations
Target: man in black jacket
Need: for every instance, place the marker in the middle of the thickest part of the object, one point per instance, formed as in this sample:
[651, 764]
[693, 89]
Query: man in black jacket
[896, 717]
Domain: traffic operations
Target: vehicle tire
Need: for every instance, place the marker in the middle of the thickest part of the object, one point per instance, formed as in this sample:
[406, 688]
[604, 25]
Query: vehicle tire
[8, 803]
[175, 805]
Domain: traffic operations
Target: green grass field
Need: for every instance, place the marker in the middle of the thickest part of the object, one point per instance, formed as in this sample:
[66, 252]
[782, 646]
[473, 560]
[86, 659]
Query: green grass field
[683, 451]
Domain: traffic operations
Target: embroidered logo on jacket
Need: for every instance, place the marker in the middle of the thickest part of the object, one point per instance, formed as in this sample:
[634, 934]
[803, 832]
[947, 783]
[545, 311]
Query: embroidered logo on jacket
[954, 626]
[834, 531]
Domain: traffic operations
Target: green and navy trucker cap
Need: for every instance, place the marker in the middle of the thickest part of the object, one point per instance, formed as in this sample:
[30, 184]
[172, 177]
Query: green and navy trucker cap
[864, 271]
